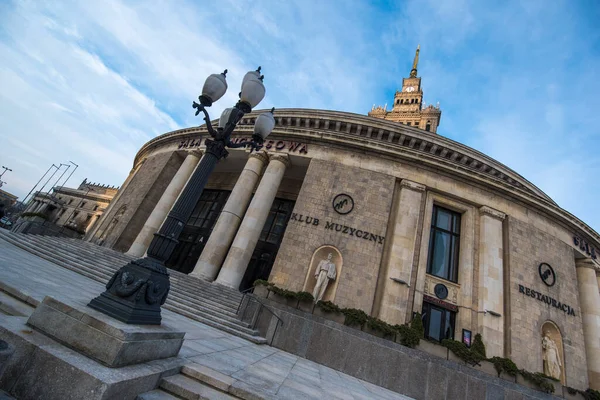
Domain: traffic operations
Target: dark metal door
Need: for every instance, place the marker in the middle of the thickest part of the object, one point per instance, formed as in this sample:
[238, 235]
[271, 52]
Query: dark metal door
[195, 234]
[262, 260]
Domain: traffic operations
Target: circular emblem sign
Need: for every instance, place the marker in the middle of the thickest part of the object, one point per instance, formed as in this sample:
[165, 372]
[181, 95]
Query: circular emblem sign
[343, 204]
[441, 291]
[547, 274]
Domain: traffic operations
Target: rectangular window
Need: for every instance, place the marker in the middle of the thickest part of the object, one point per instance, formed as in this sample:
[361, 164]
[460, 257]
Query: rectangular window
[408, 123]
[444, 242]
[438, 322]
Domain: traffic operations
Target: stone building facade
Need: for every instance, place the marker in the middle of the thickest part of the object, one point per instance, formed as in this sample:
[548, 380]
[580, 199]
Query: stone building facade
[77, 208]
[413, 221]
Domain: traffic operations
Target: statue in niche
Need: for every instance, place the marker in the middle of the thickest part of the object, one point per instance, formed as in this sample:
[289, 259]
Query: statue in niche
[324, 273]
[552, 362]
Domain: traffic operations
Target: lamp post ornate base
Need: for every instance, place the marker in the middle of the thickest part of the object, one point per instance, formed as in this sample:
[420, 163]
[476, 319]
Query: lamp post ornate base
[135, 293]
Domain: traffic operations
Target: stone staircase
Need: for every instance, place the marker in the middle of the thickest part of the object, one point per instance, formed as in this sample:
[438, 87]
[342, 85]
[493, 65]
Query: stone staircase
[198, 382]
[191, 297]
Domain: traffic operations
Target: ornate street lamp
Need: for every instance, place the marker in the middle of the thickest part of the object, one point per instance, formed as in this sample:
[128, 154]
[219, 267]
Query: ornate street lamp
[135, 292]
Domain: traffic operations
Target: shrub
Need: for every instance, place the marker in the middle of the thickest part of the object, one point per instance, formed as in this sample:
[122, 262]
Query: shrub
[378, 325]
[539, 380]
[462, 351]
[288, 294]
[328, 306]
[304, 296]
[417, 325]
[408, 336]
[261, 282]
[354, 316]
[591, 394]
[504, 364]
[478, 345]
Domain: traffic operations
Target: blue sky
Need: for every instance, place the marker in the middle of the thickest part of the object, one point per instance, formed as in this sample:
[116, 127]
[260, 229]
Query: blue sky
[91, 81]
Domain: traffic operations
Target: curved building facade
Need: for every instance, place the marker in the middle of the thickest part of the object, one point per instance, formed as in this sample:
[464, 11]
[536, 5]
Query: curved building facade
[412, 221]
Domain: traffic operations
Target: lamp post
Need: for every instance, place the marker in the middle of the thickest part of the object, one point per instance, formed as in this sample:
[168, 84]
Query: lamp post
[135, 292]
[5, 169]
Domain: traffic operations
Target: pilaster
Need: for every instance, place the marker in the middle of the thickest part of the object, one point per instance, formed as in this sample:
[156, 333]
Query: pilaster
[491, 280]
[589, 298]
[398, 261]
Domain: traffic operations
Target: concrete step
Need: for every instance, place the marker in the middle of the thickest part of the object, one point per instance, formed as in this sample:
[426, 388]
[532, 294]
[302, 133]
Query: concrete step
[227, 296]
[189, 388]
[105, 254]
[178, 298]
[157, 394]
[254, 337]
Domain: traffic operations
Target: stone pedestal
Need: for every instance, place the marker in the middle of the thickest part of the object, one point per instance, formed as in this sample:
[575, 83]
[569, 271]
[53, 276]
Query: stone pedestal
[164, 205]
[589, 298]
[222, 235]
[6, 352]
[102, 338]
[491, 280]
[245, 241]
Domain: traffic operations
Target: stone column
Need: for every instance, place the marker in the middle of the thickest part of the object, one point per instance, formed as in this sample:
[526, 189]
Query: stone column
[245, 240]
[394, 300]
[589, 299]
[222, 235]
[164, 205]
[491, 281]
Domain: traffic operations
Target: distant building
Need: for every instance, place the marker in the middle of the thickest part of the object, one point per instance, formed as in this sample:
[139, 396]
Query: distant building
[409, 108]
[7, 199]
[77, 209]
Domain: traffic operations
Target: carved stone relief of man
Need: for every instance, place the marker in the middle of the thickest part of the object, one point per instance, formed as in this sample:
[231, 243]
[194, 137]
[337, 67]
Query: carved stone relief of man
[324, 273]
[552, 363]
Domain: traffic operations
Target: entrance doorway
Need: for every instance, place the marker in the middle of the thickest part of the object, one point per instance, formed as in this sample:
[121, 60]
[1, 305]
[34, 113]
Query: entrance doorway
[268, 244]
[196, 232]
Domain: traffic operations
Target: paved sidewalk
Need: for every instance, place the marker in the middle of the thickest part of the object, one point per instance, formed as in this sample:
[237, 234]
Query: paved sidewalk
[274, 373]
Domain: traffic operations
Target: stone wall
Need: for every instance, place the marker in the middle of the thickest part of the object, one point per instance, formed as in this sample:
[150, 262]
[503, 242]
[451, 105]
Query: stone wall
[134, 206]
[372, 195]
[529, 247]
[410, 372]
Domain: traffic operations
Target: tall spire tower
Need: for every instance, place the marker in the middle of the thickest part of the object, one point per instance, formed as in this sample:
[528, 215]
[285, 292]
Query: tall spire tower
[408, 107]
[413, 71]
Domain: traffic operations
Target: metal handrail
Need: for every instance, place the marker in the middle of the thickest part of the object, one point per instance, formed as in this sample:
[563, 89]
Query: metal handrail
[262, 306]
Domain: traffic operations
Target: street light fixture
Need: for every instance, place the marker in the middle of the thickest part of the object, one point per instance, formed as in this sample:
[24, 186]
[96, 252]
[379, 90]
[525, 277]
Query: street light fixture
[135, 292]
[5, 169]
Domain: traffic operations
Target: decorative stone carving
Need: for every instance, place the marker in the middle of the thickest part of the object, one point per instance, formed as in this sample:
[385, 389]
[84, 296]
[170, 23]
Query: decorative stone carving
[552, 362]
[494, 213]
[260, 155]
[284, 158]
[329, 258]
[453, 288]
[324, 273]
